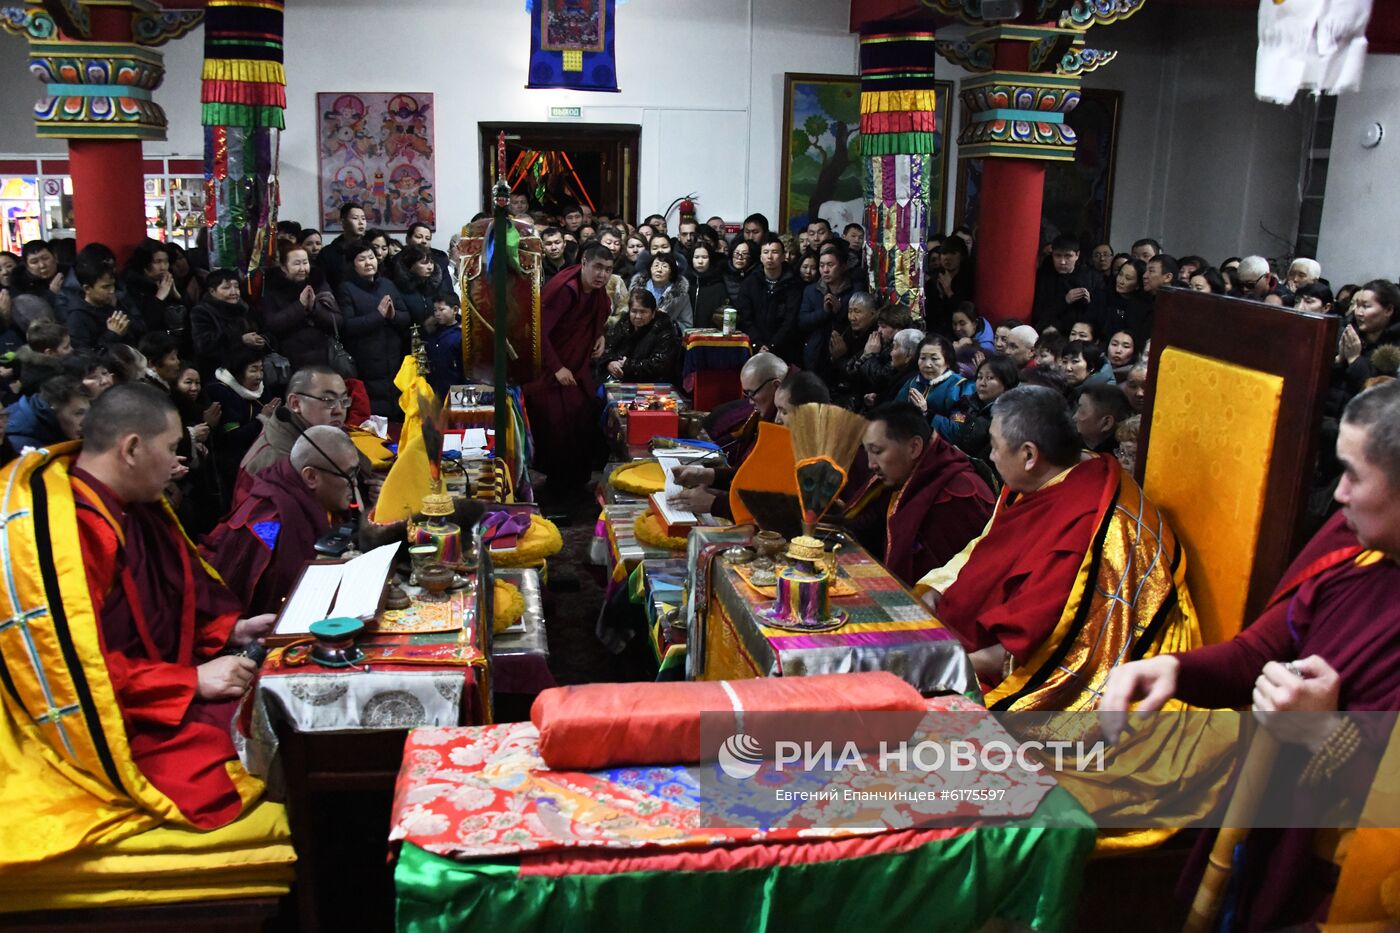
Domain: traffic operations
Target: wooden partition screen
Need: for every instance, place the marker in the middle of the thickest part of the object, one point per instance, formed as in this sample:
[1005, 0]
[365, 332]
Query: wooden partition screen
[1229, 442]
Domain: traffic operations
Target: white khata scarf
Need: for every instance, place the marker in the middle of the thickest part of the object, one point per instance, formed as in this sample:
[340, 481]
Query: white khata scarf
[1318, 45]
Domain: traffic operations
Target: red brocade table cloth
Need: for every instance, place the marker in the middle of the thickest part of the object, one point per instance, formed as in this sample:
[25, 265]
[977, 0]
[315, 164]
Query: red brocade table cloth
[491, 836]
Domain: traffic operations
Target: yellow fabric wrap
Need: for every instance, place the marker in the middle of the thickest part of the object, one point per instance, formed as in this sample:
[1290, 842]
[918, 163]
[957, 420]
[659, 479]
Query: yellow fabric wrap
[1368, 890]
[887, 101]
[639, 479]
[507, 607]
[648, 530]
[250, 857]
[409, 478]
[1213, 426]
[372, 446]
[1138, 561]
[243, 69]
[540, 540]
[70, 781]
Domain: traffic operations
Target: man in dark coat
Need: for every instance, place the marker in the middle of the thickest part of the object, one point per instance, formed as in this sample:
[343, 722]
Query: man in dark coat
[332, 258]
[574, 310]
[1067, 290]
[768, 303]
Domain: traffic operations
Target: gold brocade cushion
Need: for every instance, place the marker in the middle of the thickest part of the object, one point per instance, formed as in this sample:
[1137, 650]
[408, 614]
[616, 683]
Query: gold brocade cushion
[1213, 427]
[641, 478]
[250, 857]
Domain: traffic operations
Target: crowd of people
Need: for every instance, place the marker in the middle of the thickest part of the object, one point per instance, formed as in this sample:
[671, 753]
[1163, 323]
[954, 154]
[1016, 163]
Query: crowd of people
[75, 322]
[988, 445]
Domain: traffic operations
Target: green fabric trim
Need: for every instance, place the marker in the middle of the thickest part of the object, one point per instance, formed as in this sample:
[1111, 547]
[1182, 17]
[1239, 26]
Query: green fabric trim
[1027, 873]
[248, 116]
[883, 144]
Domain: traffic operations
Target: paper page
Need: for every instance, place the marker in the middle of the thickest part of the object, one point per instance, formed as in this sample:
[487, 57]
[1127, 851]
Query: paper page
[311, 600]
[670, 514]
[474, 439]
[363, 583]
[451, 441]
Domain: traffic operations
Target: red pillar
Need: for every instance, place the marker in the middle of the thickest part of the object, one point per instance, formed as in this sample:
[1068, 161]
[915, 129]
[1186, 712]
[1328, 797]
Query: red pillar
[1008, 219]
[109, 184]
[1008, 236]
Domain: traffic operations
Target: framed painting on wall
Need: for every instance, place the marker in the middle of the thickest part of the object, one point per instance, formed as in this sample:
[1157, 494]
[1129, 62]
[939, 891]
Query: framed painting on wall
[1078, 196]
[821, 152]
[376, 149]
[822, 174]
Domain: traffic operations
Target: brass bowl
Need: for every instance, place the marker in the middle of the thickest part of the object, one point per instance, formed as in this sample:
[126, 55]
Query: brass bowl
[436, 578]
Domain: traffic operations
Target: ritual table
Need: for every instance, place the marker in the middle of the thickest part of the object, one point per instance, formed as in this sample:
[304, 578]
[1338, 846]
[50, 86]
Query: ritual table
[889, 629]
[492, 839]
[710, 366]
[618, 399]
[341, 732]
[520, 659]
[662, 583]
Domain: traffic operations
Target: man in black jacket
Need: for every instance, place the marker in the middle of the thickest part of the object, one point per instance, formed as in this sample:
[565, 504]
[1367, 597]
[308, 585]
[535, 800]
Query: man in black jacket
[353, 224]
[768, 302]
[1067, 290]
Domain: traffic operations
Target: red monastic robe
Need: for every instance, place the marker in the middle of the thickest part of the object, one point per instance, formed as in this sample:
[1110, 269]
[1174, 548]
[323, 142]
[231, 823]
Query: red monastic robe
[1016, 583]
[563, 418]
[1337, 601]
[261, 547]
[161, 615]
[925, 523]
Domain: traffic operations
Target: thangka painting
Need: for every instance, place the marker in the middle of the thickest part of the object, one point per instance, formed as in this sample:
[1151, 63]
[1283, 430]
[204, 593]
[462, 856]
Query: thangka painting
[822, 172]
[376, 149]
[572, 44]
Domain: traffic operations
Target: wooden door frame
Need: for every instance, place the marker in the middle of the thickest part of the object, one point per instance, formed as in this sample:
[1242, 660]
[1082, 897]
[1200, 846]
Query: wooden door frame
[626, 137]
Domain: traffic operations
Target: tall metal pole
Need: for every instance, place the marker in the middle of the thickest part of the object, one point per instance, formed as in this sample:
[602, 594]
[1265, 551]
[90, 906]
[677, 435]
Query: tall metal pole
[499, 273]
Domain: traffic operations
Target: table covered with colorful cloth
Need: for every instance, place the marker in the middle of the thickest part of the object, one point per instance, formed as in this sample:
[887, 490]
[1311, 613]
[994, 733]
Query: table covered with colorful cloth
[491, 838]
[889, 628]
[424, 666]
[708, 350]
[659, 585]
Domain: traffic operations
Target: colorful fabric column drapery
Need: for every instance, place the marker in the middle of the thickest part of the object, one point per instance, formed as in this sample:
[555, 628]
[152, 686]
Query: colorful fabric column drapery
[571, 44]
[897, 144]
[243, 96]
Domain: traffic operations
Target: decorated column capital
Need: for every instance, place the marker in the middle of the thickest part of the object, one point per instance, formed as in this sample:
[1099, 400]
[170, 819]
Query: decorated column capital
[97, 90]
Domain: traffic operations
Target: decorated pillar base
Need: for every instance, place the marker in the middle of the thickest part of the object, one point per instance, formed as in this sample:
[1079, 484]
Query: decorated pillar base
[100, 71]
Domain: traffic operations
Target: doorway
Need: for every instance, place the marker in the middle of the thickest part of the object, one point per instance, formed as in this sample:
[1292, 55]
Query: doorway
[556, 164]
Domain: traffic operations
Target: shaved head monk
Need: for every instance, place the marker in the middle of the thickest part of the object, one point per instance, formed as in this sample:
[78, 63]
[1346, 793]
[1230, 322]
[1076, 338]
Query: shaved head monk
[923, 501]
[1042, 634]
[122, 674]
[261, 547]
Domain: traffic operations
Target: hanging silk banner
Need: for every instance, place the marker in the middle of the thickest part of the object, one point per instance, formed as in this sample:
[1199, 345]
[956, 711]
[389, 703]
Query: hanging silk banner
[243, 97]
[897, 143]
[571, 44]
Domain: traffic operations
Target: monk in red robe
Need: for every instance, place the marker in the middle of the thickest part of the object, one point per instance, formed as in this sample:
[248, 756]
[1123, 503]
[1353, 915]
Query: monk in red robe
[261, 548]
[164, 617]
[923, 501]
[562, 402]
[1329, 640]
[1011, 595]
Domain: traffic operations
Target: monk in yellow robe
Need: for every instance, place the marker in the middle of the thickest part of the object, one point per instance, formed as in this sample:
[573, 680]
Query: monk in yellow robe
[1075, 573]
[118, 695]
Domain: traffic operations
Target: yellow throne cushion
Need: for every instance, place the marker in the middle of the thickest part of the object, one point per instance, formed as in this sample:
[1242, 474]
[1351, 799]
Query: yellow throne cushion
[1212, 440]
[250, 857]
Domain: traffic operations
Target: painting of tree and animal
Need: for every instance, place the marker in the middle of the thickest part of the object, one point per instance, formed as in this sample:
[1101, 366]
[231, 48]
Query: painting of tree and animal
[822, 171]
